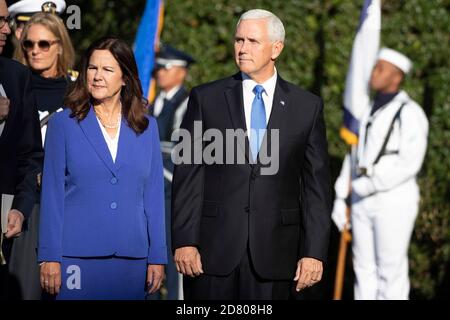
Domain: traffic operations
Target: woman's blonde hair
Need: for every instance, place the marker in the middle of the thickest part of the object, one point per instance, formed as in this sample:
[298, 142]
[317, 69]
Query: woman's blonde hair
[55, 25]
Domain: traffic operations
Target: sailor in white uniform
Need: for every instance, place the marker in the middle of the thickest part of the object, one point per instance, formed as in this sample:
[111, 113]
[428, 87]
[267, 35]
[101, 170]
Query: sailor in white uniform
[384, 192]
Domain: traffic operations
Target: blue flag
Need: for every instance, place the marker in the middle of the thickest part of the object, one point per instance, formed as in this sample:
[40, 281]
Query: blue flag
[144, 46]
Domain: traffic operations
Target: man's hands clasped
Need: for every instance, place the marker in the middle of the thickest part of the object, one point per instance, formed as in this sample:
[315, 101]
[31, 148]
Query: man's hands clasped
[309, 272]
[188, 261]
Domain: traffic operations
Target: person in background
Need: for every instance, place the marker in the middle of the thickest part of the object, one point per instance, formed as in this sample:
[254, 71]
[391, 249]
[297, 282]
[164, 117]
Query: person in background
[20, 155]
[384, 192]
[169, 108]
[46, 48]
[102, 232]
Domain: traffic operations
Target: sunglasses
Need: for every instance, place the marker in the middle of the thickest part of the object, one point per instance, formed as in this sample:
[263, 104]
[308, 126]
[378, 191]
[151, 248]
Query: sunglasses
[44, 45]
[7, 20]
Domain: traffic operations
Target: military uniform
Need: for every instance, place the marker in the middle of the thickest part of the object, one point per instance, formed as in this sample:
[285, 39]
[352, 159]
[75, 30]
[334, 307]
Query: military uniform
[169, 109]
[385, 194]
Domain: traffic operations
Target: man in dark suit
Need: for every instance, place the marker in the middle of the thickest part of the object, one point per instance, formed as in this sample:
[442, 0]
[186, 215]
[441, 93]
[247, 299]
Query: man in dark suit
[244, 230]
[20, 146]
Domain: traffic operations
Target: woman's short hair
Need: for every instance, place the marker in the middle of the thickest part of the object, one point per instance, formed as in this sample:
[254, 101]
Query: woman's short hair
[133, 103]
[55, 25]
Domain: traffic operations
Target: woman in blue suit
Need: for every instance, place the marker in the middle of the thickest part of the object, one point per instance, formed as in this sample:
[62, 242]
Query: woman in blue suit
[102, 233]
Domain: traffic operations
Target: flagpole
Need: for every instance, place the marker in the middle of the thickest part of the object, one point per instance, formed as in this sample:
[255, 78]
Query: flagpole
[346, 238]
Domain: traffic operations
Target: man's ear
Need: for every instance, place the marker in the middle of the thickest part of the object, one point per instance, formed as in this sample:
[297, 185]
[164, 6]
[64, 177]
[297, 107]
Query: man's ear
[398, 77]
[277, 47]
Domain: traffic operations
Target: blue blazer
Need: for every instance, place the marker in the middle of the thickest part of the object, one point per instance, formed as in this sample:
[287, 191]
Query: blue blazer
[91, 206]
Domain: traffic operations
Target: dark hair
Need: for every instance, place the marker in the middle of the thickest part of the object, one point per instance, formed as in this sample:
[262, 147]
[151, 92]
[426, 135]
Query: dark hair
[133, 103]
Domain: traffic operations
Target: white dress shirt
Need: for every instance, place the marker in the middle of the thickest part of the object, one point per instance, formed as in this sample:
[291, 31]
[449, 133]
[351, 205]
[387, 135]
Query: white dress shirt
[112, 143]
[179, 113]
[269, 89]
[159, 102]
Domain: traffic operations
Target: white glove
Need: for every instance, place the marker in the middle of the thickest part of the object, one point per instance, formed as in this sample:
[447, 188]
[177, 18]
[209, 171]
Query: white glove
[339, 214]
[363, 187]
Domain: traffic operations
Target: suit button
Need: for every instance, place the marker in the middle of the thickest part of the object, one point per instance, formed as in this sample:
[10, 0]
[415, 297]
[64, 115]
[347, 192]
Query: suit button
[255, 172]
[113, 205]
[247, 209]
[113, 180]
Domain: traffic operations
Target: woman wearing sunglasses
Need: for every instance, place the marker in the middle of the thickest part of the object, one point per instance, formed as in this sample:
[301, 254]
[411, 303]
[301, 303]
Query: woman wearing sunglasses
[46, 48]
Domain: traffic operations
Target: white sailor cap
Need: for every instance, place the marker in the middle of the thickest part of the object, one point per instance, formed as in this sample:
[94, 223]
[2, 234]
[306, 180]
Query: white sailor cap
[24, 9]
[396, 58]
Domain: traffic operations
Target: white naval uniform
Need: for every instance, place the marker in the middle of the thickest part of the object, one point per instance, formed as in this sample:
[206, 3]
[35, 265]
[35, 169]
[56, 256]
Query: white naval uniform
[385, 202]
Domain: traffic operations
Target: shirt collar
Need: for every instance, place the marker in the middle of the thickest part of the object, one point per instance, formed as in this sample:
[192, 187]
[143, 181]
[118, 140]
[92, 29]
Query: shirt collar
[381, 99]
[169, 94]
[269, 84]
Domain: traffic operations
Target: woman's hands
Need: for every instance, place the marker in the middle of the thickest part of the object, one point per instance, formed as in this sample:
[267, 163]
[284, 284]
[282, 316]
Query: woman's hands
[155, 276]
[51, 277]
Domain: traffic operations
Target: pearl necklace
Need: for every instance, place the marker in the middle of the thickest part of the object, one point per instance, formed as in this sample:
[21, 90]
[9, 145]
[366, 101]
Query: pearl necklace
[109, 126]
[105, 125]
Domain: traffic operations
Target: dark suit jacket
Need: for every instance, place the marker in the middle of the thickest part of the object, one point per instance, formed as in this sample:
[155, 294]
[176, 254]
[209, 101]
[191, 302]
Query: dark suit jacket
[20, 143]
[220, 208]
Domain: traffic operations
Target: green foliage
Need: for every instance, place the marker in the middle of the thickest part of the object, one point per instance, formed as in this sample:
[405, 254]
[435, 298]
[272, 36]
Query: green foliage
[106, 18]
[319, 40]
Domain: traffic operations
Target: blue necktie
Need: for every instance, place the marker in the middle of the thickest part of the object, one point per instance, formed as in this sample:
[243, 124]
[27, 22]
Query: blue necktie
[258, 121]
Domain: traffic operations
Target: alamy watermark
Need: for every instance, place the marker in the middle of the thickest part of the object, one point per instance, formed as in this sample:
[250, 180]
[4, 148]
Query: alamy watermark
[73, 281]
[73, 20]
[208, 147]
